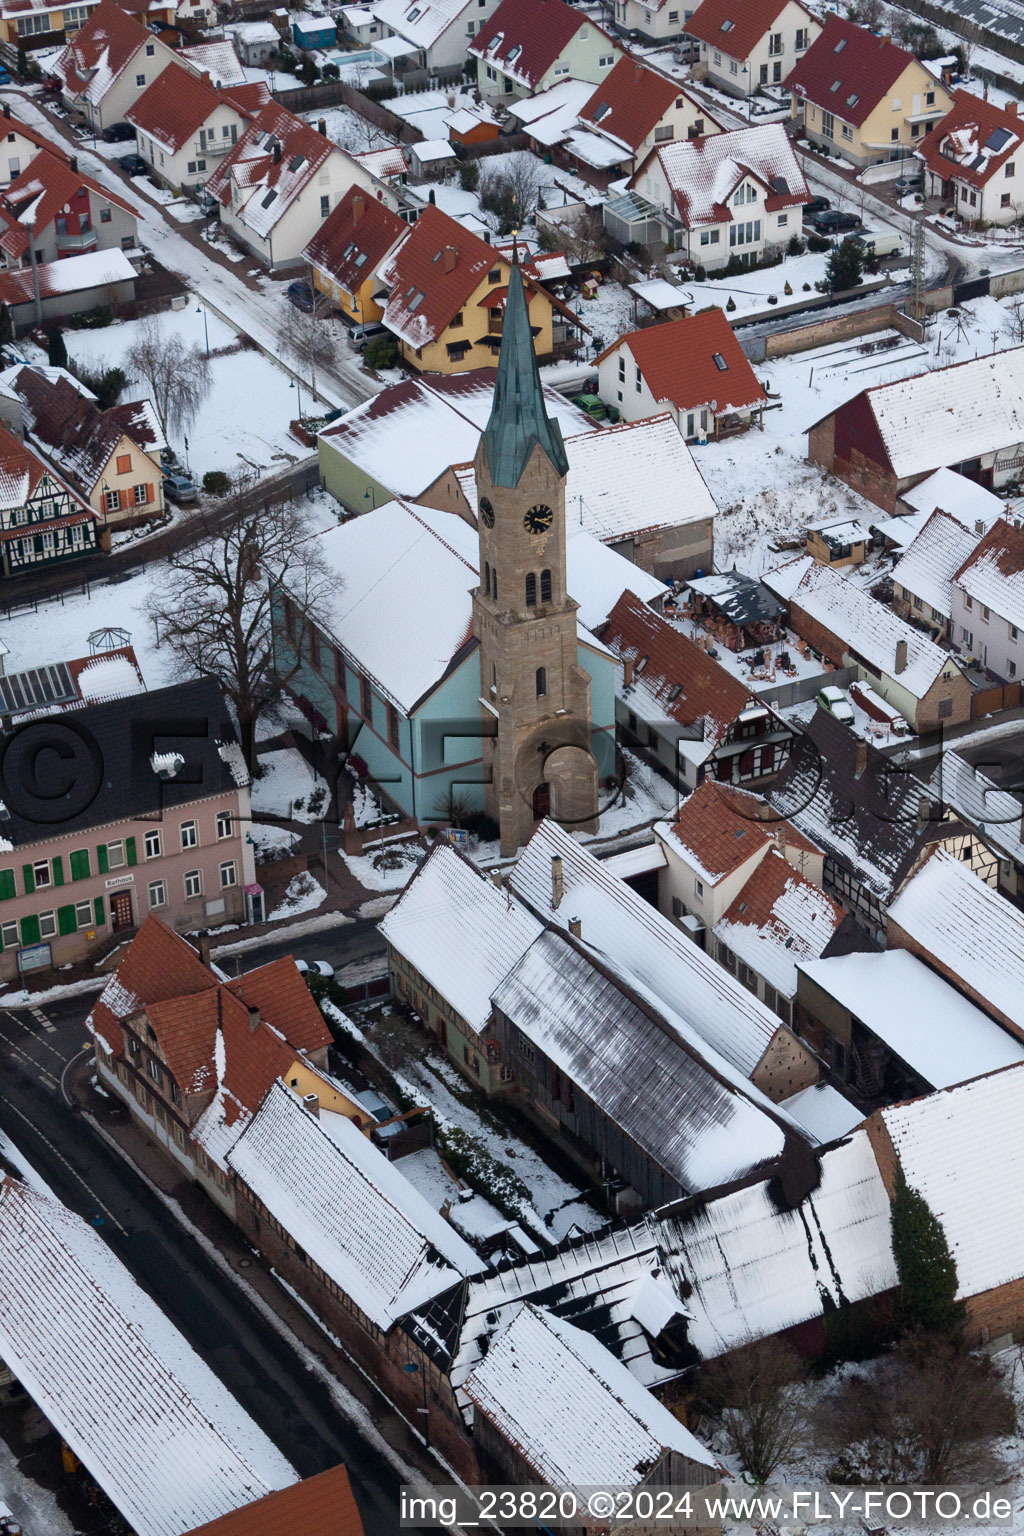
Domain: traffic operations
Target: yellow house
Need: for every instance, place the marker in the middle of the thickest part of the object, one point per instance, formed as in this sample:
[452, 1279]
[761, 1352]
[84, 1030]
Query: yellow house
[347, 250]
[446, 299]
[862, 97]
[40, 25]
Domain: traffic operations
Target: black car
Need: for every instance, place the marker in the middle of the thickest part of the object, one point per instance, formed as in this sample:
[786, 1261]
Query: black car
[814, 207]
[119, 133]
[832, 222]
[132, 165]
[301, 295]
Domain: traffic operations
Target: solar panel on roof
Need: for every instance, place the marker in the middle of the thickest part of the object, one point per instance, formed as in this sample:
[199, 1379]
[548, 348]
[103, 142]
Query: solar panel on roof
[997, 140]
[36, 687]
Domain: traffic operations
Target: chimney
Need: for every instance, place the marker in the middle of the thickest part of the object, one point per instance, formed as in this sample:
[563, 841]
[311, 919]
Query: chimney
[979, 526]
[254, 1018]
[448, 258]
[7, 109]
[627, 672]
[358, 208]
[1011, 108]
[924, 809]
[277, 154]
[311, 1102]
[780, 837]
[496, 878]
[862, 759]
[203, 945]
[764, 810]
[557, 882]
[205, 77]
[575, 927]
[73, 163]
[487, 237]
[901, 656]
[321, 126]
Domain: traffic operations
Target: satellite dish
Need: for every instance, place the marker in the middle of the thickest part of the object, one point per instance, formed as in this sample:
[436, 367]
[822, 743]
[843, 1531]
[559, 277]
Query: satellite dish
[714, 406]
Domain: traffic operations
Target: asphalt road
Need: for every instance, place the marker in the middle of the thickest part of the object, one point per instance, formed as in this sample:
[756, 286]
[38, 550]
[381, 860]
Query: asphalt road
[348, 942]
[252, 1359]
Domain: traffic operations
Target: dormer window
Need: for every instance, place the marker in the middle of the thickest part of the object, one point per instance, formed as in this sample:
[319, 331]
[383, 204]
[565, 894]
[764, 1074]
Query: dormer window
[835, 85]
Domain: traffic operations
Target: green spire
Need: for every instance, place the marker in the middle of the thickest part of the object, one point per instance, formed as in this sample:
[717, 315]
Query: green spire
[518, 420]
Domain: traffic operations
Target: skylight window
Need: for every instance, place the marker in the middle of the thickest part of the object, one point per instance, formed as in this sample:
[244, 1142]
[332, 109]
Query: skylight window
[727, 26]
[415, 302]
[641, 664]
[601, 110]
[415, 14]
[840, 45]
[674, 692]
[361, 258]
[270, 197]
[720, 362]
[296, 161]
[835, 85]
[852, 99]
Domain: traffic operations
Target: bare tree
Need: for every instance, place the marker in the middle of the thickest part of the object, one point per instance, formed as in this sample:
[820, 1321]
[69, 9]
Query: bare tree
[1015, 320]
[585, 240]
[308, 337]
[926, 1413]
[215, 605]
[177, 377]
[757, 1393]
[969, 36]
[511, 189]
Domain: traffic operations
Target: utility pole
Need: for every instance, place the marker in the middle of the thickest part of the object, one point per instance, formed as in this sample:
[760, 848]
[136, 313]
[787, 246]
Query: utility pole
[917, 263]
[37, 303]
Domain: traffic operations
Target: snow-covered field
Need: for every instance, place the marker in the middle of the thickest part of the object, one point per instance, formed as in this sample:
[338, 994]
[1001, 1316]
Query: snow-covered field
[286, 785]
[243, 423]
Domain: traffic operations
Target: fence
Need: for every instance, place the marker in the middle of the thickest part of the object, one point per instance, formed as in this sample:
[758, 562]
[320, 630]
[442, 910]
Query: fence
[987, 700]
[828, 328]
[782, 695]
[333, 93]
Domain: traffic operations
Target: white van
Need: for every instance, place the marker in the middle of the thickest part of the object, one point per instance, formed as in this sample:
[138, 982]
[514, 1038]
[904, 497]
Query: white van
[889, 243]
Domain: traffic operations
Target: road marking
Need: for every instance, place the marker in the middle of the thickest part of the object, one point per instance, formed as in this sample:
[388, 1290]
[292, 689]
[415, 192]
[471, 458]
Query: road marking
[41, 1018]
[71, 1169]
[38, 1038]
[30, 1061]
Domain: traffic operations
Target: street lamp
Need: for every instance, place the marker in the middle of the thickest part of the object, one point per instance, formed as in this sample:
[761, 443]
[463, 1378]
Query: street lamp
[746, 89]
[206, 326]
[298, 387]
[370, 497]
[411, 1367]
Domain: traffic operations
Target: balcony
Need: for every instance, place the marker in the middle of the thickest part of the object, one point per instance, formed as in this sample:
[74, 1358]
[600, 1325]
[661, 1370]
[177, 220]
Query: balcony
[75, 244]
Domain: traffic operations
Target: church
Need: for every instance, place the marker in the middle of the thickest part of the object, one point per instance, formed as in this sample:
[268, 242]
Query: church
[457, 662]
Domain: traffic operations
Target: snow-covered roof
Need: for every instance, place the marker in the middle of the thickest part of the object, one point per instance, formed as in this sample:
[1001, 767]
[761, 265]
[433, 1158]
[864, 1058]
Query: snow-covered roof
[823, 1112]
[627, 479]
[933, 559]
[644, 1068]
[218, 60]
[992, 574]
[269, 168]
[966, 500]
[459, 931]
[644, 945]
[355, 1213]
[660, 294]
[973, 932]
[421, 22]
[963, 1151]
[870, 628]
[411, 432]
[258, 32]
[778, 921]
[551, 115]
[546, 1386]
[995, 812]
[100, 51]
[950, 414]
[755, 1269]
[430, 151]
[525, 38]
[157, 1430]
[702, 174]
[927, 1023]
[785, 578]
[598, 575]
[72, 275]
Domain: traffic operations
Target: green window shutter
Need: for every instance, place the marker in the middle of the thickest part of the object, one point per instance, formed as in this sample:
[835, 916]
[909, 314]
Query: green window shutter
[7, 887]
[30, 930]
[66, 920]
[58, 870]
[101, 859]
[29, 879]
[97, 907]
[80, 864]
[129, 850]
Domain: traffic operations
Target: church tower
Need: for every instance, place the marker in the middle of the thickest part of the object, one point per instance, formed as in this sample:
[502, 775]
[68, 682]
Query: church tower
[532, 685]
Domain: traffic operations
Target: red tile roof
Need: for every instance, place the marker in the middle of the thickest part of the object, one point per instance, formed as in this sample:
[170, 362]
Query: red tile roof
[20, 471]
[248, 98]
[72, 429]
[174, 108]
[443, 262]
[703, 173]
[99, 51]
[848, 70]
[46, 186]
[632, 101]
[354, 239]
[14, 124]
[318, 1506]
[158, 964]
[677, 361]
[524, 37]
[735, 26]
[721, 826]
[681, 678]
[956, 146]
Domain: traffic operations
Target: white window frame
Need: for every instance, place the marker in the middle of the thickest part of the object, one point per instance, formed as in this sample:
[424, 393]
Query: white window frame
[228, 874]
[225, 825]
[193, 884]
[151, 844]
[188, 835]
[160, 900]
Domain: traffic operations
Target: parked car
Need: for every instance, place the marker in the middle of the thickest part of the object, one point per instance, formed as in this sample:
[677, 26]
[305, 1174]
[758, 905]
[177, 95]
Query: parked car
[837, 703]
[592, 406]
[180, 488]
[132, 165]
[832, 222]
[889, 243]
[910, 181]
[119, 133]
[5, 78]
[380, 1109]
[315, 968]
[359, 335]
[814, 207]
[684, 52]
[302, 296]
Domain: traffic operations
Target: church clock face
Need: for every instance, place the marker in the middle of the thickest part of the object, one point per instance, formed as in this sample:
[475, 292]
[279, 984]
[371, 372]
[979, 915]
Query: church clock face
[486, 512]
[538, 519]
